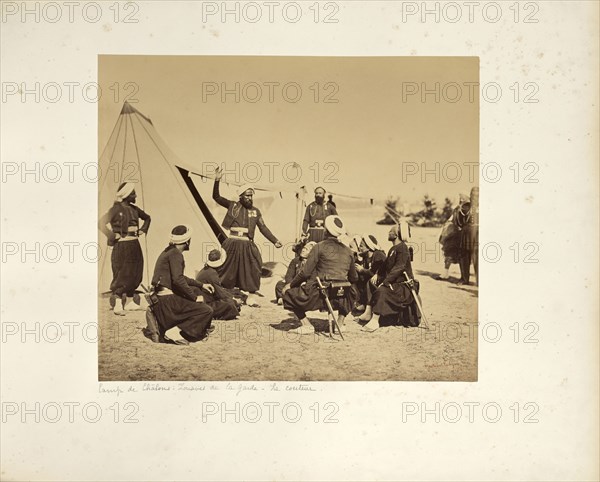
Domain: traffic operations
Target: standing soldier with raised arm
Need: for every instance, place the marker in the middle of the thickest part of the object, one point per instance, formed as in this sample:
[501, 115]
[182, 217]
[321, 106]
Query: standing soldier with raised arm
[243, 264]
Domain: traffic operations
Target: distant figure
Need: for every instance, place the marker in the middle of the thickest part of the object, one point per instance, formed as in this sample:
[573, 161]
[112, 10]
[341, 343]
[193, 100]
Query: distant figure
[461, 218]
[126, 258]
[314, 218]
[394, 292]
[221, 300]
[243, 265]
[330, 260]
[294, 268]
[179, 309]
[330, 198]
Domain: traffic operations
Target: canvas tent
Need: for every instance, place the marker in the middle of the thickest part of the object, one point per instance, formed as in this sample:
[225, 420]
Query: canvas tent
[174, 192]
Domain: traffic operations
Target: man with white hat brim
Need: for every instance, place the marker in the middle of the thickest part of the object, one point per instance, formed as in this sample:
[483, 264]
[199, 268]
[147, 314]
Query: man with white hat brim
[373, 264]
[221, 301]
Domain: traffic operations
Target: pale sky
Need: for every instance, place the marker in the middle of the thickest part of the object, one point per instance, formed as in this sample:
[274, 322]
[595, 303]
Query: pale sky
[364, 141]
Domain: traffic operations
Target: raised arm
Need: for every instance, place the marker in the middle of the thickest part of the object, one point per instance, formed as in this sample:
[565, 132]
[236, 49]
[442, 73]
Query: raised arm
[220, 199]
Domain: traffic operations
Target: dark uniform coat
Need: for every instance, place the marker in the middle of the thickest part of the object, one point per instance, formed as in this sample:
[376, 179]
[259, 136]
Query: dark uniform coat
[127, 261]
[221, 301]
[314, 218]
[393, 296]
[179, 308]
[330, 260]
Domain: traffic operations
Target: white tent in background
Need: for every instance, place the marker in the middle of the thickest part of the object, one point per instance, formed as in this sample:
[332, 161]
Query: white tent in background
[170, 192]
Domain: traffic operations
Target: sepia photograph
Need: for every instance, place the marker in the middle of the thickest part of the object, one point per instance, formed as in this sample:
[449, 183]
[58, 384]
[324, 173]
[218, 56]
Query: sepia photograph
[336, 238]
[288, 218]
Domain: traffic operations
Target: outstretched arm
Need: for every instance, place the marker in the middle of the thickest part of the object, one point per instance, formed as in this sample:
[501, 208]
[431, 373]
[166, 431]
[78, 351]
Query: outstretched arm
[265, 230]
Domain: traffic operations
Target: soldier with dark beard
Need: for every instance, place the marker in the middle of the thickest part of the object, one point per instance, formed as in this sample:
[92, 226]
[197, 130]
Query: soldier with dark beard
[243, 265]
[313, 225]
[394, 292]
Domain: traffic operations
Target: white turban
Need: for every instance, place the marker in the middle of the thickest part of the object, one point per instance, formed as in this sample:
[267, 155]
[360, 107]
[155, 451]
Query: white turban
[125, 191]
[181, 238]
[244, 188]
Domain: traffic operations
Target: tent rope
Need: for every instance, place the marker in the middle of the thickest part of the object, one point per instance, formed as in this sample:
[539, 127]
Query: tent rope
[137, 154]
[119, 123]
[182, 186]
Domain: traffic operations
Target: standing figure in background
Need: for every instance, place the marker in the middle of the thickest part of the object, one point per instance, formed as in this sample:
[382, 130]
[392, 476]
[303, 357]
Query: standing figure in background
[330, 198]
[461, 218]
[471, 242]
[242, 268]
[314, 218]
[127, 260]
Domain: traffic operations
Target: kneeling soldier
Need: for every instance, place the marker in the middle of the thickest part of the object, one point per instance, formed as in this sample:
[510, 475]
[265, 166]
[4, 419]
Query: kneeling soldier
[178, 307]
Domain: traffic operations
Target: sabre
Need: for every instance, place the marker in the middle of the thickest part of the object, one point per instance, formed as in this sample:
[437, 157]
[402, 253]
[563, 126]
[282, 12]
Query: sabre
[330, 308]
[414, 293]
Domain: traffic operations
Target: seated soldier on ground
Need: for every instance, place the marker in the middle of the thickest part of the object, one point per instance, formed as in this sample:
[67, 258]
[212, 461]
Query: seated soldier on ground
[373, 264]
[293, 269]
[330, 260]
[394, 292]
[221, 301]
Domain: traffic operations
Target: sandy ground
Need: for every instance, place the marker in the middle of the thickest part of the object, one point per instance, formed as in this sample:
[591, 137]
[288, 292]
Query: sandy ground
[258, 346]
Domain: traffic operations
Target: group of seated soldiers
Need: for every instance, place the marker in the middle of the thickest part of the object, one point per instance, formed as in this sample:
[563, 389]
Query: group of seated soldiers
[378, 284]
